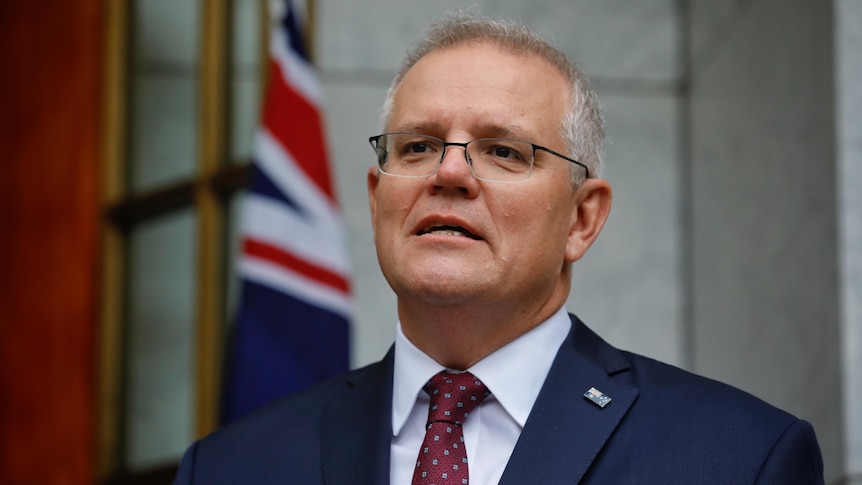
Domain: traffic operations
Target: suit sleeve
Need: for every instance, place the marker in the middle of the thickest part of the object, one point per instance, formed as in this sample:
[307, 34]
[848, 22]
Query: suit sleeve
[795, 459]
[185, 475]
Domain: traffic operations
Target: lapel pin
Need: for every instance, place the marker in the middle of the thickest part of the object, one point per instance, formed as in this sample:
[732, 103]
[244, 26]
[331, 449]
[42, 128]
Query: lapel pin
[598, 398]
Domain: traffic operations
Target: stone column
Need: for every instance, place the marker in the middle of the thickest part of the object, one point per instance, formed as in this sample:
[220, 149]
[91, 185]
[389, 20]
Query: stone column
[775, 209]
[848, 100]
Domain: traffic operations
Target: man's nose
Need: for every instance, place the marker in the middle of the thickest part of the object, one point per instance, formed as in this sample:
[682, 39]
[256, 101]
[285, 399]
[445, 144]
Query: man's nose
[454, 170]
[455, 159]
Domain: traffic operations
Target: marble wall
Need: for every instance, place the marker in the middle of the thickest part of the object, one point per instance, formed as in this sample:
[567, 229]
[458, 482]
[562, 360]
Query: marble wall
[763, 183]
[848, 46]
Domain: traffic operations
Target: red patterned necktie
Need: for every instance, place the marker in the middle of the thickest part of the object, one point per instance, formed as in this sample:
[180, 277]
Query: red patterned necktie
[443, 456]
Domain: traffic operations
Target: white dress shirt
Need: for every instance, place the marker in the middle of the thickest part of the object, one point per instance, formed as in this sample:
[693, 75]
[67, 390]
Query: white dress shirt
[514, 374]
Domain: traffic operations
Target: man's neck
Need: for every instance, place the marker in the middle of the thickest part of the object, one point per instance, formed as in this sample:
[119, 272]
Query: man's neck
[458, 336]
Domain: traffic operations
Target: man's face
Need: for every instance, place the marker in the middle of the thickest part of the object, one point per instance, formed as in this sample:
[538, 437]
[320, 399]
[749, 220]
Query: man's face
[450, 238]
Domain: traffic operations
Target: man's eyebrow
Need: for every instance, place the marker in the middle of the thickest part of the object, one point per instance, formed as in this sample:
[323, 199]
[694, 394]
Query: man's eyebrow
[489, 130]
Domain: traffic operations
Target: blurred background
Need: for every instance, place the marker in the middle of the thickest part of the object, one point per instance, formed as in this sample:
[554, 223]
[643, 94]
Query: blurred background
[734, 247]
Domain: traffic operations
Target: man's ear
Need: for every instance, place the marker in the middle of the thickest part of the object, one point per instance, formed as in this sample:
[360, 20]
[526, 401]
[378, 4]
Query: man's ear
[373, 181]
[591, 209]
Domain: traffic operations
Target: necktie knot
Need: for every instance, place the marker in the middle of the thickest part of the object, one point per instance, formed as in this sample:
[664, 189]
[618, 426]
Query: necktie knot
[454, 396]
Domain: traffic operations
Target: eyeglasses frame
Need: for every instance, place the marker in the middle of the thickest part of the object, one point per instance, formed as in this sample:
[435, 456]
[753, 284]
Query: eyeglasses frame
[375, 142]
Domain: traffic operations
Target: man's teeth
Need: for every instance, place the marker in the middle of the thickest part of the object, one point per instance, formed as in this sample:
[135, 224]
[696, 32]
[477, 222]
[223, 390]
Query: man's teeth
[447, 232]
[455, 231]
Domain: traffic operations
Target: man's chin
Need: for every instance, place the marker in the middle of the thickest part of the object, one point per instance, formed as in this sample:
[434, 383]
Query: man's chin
[438, 286]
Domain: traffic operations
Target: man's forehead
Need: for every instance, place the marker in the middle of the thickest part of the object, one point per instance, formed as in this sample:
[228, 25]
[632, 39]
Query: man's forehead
[480, 90]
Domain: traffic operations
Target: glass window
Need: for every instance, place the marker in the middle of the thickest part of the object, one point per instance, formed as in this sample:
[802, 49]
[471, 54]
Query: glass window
[160, 339]
[246, 69]
[164, 76]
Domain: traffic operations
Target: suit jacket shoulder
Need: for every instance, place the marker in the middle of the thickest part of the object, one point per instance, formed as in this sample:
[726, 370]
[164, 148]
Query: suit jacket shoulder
[321, 435]
[685, 423]
[662, 425]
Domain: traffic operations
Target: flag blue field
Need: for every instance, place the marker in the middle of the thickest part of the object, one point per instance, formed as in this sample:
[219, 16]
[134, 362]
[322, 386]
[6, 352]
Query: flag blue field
[292, 328]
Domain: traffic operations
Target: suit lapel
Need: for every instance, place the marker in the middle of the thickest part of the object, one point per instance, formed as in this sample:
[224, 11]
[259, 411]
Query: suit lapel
[566, 431]
[357, 428]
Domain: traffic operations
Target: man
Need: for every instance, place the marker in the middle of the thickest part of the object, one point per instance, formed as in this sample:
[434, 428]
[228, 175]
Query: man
[485, 193]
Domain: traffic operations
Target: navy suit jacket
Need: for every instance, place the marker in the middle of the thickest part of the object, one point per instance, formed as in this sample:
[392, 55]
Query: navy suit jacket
[662, 426]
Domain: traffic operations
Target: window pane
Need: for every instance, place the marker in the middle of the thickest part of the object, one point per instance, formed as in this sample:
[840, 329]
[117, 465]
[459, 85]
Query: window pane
[245, 83]
[234, 248]
[164, 133]
[166, 30]
[165, 90]
[161, 340]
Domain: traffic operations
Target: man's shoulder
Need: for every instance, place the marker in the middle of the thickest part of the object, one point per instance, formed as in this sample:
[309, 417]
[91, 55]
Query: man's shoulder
[252, 449]
[685, 419]
[667, 389]
[665, 385]
[715, 422]
[296, 412]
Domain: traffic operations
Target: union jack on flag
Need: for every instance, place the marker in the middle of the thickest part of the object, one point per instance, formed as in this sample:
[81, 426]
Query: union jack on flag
[292, 328]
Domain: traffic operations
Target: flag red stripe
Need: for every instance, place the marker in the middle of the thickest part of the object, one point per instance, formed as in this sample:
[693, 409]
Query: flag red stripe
[287, 260]
[297, 125]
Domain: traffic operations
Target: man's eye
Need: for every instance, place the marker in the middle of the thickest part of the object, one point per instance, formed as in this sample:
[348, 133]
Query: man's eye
[503, 152]
[418, 148]
[507, 153]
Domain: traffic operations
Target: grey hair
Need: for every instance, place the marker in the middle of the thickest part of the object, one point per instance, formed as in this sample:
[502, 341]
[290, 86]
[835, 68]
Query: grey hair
[582, 127]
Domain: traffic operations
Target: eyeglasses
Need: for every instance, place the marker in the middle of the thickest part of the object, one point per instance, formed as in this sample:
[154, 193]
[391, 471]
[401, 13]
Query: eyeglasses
[491, 159]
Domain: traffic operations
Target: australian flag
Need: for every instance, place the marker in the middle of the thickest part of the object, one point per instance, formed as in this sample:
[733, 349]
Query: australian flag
[292, 329]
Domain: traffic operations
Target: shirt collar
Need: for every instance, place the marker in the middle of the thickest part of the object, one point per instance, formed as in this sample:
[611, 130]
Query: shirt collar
[514, 373]
[413, 368]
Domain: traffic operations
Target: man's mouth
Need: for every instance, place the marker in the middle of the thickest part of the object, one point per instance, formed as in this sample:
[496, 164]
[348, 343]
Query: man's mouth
[449, 231]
